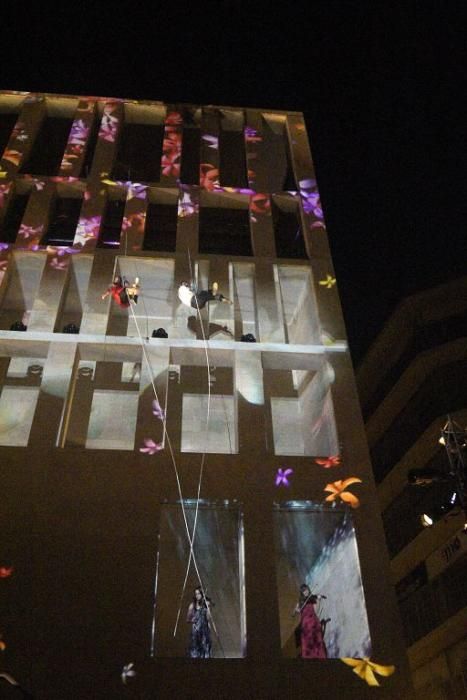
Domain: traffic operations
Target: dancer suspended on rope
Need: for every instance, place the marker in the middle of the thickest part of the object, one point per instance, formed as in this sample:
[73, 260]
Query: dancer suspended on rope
[190, 296]
[122, 291]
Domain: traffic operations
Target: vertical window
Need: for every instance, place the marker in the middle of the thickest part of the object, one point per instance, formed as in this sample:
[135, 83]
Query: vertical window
[218, 547]
[160, 232]
[317, 546]
[191, 149]
[224, 231]
[139, 153]
[287, 228]
[49, 146]
[63, 221]
[111, 225]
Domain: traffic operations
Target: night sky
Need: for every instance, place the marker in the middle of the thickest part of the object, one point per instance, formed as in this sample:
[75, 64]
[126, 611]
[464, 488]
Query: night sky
[380, 88]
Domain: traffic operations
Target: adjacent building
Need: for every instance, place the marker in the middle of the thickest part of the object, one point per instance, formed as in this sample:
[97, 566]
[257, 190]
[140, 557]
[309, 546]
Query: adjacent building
[411, 379]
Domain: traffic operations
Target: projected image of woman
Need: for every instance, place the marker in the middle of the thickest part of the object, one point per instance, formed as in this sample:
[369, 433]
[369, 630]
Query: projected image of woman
[312, 644]
[199, 616]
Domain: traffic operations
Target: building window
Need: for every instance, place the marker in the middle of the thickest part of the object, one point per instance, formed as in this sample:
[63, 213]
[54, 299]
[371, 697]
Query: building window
[224, 231]
[111, 225]
[14, 214]
[287, 228]
[191, 148]
[232, 159]
[218, 547]
[63, 221]
[49, 146]
[317, 546]
[139, 153]
[112, 421]
[220, 434]
[160, 232]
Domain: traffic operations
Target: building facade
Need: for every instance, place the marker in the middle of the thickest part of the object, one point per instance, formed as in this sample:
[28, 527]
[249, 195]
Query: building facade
[412, 378]
[149, 448]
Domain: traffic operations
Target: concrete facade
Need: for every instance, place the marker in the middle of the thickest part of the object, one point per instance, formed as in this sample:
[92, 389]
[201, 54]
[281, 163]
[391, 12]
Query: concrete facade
[94, 527]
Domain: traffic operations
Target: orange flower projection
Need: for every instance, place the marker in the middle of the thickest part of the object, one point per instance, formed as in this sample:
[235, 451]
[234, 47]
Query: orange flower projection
[366, 669]
[338, 490]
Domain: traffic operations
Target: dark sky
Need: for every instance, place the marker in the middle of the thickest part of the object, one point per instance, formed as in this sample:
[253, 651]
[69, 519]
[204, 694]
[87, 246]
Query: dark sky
[380, 87]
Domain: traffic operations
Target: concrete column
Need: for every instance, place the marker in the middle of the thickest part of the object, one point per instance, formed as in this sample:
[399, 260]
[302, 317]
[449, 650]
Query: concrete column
[36, 217]
[107, 140]
[78, 140]
[171, 147]
[23, 134]
[261, 226]
[49, 425]
[268, 304]
[96, 310]
[220, 313]
[134, 218]
[49, 297]
[148, 425]
[249, 391]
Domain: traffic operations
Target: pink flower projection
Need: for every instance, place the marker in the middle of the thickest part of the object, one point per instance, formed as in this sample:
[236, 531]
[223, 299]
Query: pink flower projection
[208, 177]
[76, 142]
[33, 232]
[135, 221]
[151, 447]
[58, 264]
[6, 571]
[282, 476]
[109, 124]
[337, 490]
[172, 145]
[332, 461]
[4, 190]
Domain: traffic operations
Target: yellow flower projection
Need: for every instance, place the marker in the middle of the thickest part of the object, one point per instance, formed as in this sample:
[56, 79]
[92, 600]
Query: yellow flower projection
[338, 490]
[366, 669]
[328, 282]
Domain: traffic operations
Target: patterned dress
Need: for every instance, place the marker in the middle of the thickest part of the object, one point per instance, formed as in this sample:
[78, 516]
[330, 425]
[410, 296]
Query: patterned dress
[200, 638]
[311, 636]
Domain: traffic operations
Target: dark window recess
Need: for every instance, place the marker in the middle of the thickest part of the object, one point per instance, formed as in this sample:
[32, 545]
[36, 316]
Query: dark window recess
[232, 160]
[427, 607]
[13, 218]
[401, 519]
[7, 122]
[442, 392]
[224, 231]
[424, 338]
[288, 233]
[90, 148]
[160, 232]
[112, 224]
[48, 148]
[139, 153]
[63, 221]
[191, 145]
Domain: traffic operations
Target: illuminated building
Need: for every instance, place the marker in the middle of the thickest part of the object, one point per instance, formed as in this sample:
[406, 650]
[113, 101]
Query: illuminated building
[122, 427]
[412, 377]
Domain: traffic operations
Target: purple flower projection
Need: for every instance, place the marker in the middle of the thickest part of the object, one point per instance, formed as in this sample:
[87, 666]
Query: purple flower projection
[59, 264]
[150, 447]
[157, 410]
[282, 476]
[79, 132]
[187, 206]
[88, 227]
[27, 232]
[212, 141]
[311, 201]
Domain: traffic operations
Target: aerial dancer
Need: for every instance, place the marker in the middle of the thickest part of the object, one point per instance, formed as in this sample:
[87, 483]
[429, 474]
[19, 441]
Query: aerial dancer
[190, 296]
[122, 292]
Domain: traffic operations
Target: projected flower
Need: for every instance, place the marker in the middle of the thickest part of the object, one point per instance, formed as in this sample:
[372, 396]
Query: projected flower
[150, 447]
[282, 476]
[109, 124]
[157, 410]
[311, 201]
[59, 264]
[212, 141]
[260, 204]
[338, 490]
[186, 205]
[4, 189]
[366, 669]
[251, 135]
[12, 156]
[134, 221]
[329, 282]
[170, 163]
[332, 461]
[2, 644]
[208, 176]
[128, 672]
[27, 232]
[6, 571]
[88, 227]
[19, 132]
